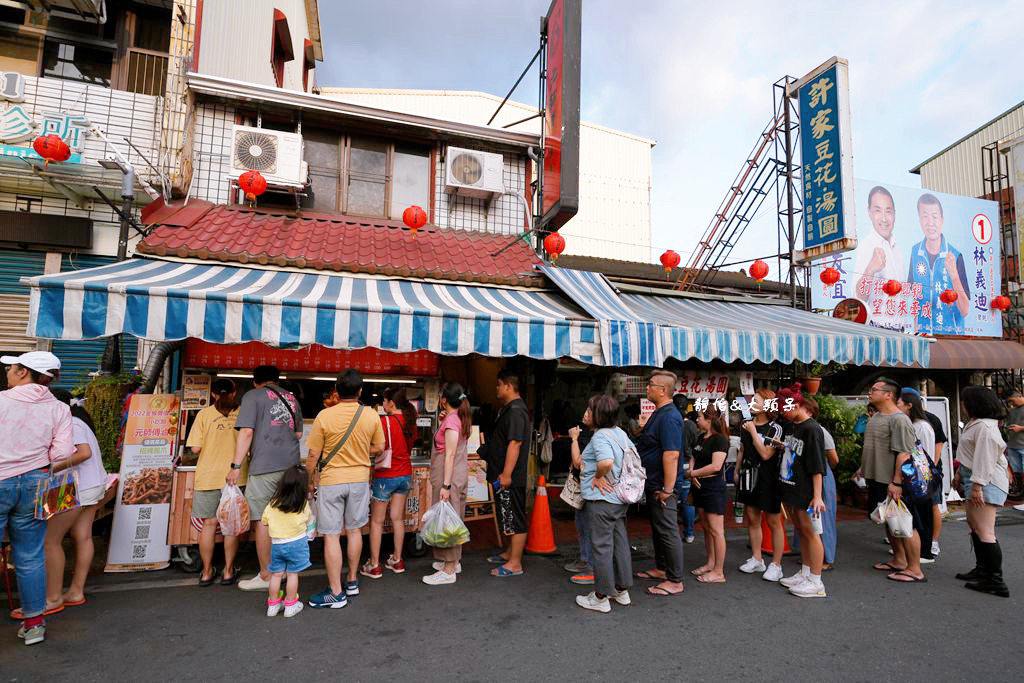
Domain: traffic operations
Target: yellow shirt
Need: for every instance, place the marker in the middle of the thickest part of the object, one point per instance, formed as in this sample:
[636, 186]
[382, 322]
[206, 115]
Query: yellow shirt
[214, 435]
[286, 525]
[352, 463]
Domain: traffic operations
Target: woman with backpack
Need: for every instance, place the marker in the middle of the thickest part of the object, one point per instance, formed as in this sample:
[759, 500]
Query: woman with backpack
[606, 511]
[910, 403]
[708, 475]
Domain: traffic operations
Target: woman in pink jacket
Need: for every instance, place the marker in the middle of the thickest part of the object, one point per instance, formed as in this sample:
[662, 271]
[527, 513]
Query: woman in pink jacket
[35, 430]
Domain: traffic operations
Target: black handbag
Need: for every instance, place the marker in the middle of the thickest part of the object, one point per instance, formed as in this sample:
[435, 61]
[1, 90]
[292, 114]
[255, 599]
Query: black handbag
[746, 480]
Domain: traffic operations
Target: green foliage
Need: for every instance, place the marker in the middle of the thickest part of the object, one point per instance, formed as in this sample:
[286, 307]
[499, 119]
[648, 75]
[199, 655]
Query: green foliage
[839, 419]
[817, 369]
[104, 399]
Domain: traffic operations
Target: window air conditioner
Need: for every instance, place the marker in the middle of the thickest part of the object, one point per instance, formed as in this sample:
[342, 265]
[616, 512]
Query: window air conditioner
[469, 173]
[276, 155]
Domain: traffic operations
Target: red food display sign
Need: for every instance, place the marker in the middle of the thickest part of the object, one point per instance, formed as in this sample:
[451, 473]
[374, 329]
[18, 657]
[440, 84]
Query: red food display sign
[315, 358]
[561, 178]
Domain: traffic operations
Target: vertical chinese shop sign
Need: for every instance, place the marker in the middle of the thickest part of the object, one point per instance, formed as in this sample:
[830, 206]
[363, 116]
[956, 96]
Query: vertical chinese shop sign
[826, 160]
[138, 539]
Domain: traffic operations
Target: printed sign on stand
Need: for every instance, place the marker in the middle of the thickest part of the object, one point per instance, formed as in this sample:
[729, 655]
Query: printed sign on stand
[196, 392]
[138, 539]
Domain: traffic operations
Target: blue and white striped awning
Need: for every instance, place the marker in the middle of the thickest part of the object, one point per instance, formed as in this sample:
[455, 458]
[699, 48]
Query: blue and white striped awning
[707, 330]
[627, 338]
[165, 300]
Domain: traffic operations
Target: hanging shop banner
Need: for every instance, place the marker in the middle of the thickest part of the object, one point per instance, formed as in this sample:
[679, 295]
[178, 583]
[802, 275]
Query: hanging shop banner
[826, 160]
[926, 263]
[138, 539]
[702, 385]
[561, 175]
[312, 358]
[196, 392]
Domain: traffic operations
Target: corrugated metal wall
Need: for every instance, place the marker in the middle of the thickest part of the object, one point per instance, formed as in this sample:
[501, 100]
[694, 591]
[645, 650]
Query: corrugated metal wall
[15, 264]
[235, 40]
[958, 169]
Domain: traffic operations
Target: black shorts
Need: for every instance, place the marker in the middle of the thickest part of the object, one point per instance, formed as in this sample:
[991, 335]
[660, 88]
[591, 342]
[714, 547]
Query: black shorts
[877, 493]
[766, 495]
[510, 505]
[710, 496]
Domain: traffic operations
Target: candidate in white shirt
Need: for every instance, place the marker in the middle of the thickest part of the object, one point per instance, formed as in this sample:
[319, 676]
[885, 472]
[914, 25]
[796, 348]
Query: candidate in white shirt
[878, 256]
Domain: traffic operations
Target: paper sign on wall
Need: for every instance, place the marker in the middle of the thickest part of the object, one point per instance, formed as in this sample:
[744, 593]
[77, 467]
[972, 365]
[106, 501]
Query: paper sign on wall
[196, 392]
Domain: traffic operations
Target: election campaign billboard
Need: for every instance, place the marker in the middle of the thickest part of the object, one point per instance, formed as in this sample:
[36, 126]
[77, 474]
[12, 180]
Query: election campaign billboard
[941, 250]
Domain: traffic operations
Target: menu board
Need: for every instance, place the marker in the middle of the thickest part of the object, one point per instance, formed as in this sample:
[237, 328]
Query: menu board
[138, 539]
[196, 392]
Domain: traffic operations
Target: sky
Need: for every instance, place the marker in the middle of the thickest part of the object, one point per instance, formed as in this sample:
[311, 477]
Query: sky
[697, 78]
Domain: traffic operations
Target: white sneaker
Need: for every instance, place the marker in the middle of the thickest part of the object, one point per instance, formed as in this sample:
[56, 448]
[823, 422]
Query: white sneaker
[591, 601]
[254, 584]
[622, 598]
[752, 565]
[809, 589]
[795, 580]
[292, 610]
[274, 608]
[690, 539]
[439, 578]
[439, 565]
[935, 547]
[773, 573]
[927, 560]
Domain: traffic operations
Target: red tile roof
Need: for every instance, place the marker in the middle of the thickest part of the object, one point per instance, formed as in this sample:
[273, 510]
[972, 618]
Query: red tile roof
[322, 241]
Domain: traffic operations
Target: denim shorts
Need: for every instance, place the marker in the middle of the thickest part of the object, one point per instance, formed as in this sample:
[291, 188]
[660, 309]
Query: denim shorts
[291, 557]
[386, 487]
[992, 494]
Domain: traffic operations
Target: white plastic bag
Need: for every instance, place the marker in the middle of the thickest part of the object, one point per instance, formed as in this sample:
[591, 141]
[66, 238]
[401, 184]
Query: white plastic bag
[878, 514]
[442, 527]
[899, 519]
[311, 524]
[233, 511]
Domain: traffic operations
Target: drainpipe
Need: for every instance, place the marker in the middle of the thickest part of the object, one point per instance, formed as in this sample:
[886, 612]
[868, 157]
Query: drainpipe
[155, 363]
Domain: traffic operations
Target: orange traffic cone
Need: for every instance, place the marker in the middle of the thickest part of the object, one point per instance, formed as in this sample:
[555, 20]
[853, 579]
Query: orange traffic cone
[541, 539]
[766, 537]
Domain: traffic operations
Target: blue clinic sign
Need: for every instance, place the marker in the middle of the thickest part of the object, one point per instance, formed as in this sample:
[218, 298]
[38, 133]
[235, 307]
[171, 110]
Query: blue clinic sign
[928, 242]
[826, 162]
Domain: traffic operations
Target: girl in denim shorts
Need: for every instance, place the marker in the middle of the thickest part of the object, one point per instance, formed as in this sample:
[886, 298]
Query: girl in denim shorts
[287, 516]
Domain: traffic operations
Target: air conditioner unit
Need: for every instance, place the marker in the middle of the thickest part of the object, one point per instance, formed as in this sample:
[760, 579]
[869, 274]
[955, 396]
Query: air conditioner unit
[276, 155]
[470, 173]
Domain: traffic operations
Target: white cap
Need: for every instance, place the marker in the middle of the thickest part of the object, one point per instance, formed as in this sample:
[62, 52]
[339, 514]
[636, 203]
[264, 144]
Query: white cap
[41, 361]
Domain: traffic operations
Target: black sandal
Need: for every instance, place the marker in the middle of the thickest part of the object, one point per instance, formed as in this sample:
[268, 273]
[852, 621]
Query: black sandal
[205, 583]
[229, 581]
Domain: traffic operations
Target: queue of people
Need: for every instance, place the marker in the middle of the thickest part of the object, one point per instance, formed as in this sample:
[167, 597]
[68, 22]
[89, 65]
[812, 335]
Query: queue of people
[357, 471]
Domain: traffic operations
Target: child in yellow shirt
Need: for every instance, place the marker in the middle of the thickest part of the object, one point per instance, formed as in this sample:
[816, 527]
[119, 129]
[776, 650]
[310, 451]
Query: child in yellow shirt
[287, 516]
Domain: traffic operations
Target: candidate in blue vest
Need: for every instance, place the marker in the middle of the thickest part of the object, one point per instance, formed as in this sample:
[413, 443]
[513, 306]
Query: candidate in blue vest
[937, 266]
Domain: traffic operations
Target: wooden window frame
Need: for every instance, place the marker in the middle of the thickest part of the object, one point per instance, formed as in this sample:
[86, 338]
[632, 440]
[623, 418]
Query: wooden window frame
[280, 46]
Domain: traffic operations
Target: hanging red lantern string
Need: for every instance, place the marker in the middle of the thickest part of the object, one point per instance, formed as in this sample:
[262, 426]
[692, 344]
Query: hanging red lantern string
[1001, 303]
[830, 276]
[948, 296]
[892, 287]
[51, 148]
[554, 244]
[758, 270]
[414, 218]
[669, 260]
[253, 184]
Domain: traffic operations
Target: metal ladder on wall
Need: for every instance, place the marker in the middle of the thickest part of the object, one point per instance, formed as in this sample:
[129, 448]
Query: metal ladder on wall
[996, 183]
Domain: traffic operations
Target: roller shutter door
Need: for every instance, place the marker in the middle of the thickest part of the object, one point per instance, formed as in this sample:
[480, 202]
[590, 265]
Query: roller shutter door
[14, 265]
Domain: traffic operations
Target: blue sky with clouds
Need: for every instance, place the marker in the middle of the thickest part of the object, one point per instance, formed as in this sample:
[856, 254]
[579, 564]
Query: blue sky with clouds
[697, 77]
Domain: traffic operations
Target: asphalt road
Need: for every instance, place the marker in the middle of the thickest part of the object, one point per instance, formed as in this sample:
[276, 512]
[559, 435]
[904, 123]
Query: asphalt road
[529, 627]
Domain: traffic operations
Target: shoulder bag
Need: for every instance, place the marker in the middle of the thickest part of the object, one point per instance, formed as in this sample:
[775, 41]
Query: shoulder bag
[572, 492]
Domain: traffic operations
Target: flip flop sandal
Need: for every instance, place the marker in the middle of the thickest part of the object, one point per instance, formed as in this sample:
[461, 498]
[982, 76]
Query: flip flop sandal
[205, 583]
[647, 576]
[230, 580]
[655, 591]
[497, 559]
[703, 579]
[501, 572]
[698, 572]
[909, 578]
[74, 603]
[18, 615]
[887, 567]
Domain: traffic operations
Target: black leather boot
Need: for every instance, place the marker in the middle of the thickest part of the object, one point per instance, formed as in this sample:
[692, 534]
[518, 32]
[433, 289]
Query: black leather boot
[991, 557]
[978, 572]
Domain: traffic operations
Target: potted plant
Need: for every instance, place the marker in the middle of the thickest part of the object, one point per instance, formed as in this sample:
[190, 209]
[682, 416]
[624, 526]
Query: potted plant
[811, 382]
[840, 420]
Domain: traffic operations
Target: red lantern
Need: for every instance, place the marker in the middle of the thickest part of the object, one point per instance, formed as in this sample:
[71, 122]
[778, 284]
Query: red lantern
[892, 287]
[948, 296]
[51, 148]
[669, 260]
[554, 244]
[758, 270]
[415, 218]
[1001, 303]
[253, 184]
[830, 276]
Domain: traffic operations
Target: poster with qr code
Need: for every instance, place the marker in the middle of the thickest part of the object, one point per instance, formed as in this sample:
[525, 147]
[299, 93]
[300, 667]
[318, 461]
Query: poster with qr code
[138, 539]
